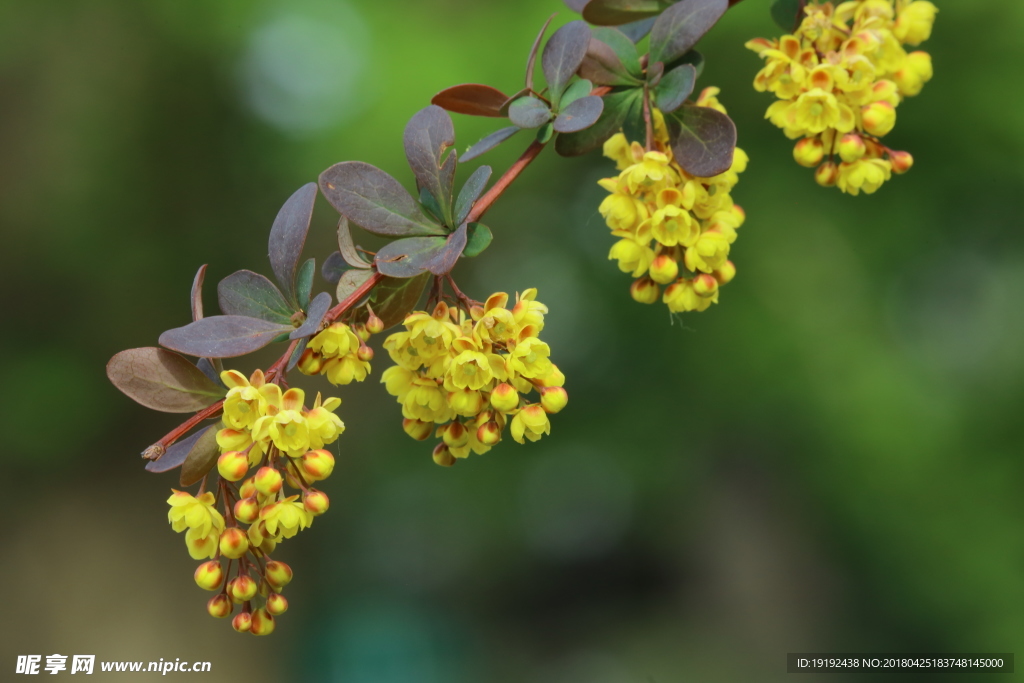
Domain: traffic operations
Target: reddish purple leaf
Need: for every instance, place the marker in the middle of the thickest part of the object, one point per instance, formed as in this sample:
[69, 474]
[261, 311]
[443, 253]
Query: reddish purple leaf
[489, 142]
[201, 457]
[428, 135]
[703, 140]
[318, 308]
[162, 380]
[581, 114]
[680, 27]
[178, 452]
[223, 336]
[251, 294]
[472, 99]
[563, 55]
[414, 255]
[288, 236]
[374, 200]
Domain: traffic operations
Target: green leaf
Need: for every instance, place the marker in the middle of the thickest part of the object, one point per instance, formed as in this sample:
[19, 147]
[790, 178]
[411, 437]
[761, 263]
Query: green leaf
[636, 30]
[297, 354]
[578, 89]
[351, 281]
[201, 457]
[315, 313]
[680, 27]
[472, 99]
[223, 336]
[788, 13]
[479, 238]
[703, 140]
[304, 282]
[529, 112]
[288, 236]
[580, 114]
[563, 55]
[674, 88]
[374, 201]
[178, 451]
[251, 294]
[545, 132]
[162, 380]
[427, 136]
[395, 298]
[470, 192]
[413, 255]
[489, 142]
[617, 12]
[334, 267]
[618, 106]
[690, 57]
[431, 206]
[612, 52]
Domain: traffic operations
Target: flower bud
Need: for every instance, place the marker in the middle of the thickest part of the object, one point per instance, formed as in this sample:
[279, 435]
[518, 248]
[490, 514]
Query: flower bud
[268, 480]
[644, 290]
[209, 575]
[725, 273]
[233, 465]
[489, 433]
[364, 353]
[852, 147]
[809, 152]
[664, 269]
[455, 435]
[262, 623]
[293, 479]
[310, 362]
[361, 332]
[248, 488]
[466, 402]
[901, 161]
[315, 501]
[219, 606]
[247, 510]
[443, 456]
[553, 399]
[277, 604]
[278, 574]
[420, 431]
[242, 588]
[505, 397]
[233, 543]
[826, 174]
[317, 464]
[242, 622]
[705, 285]
[374, 325]
[878, 118]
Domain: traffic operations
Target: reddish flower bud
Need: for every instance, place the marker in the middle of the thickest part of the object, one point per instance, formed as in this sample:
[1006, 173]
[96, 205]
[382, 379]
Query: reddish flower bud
[268, 480]
[242, 588]
[233, 543]
[420, 431]
[664, 269]
[365, 353]
[374, 325]
[725, 273]
[852, 147]
[455, 435]
[809, 152]
[705, 285]
[504, 397]
[645, 290]
[277, 604]
[262, 623]
[248, 488]
[315, 501]
[310, 362]
[233, 465]
[247, 510]
[901, 161]
[443, 456]
[553, 399]
[318, 464]
[209, 575]
[242, 622]
[826, 174]
[278, 574]
[361, 332]
[489, 433]
[219, 606]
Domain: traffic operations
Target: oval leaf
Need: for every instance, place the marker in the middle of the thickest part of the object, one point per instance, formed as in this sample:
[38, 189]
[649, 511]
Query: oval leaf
[617, 12]
[201, 457]
[472, 99]
[251, 294]
[162, 380]
[374, 200]
[680, 27]
[611, 59]
[288, 235]
[427, 135]
[617, 108]
[691, 57]
[578, 89]
[580, 114]
[197, 293]
[351, 281]
[304, 283]
[563, 55]
[178, 452]
[223, 336]
[674, 88]
[636, 30]
[347, 248]
[702, 139]
[333, 268]
[318, 308]
[489, 142]
[395, 298]
[414, 255]
[470, 192]
[529, 112]
[478, 238]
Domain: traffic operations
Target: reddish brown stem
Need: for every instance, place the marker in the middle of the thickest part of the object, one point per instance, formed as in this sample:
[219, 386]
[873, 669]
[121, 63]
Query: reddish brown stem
[353, 298]
[485, 202]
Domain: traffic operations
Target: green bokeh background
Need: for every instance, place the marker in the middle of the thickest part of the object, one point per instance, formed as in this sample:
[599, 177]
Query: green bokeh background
[829, 460]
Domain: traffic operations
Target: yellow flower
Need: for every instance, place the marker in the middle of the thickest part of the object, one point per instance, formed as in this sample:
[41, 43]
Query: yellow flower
[336, 340]
[682, 296]
[708, 253]
[914, 24]
[471, 370]
[530, 358]
[633, 257]
[617, 149]
[188, 512]
[653, 168]
[344, 369]
[864, 175]
[528, 312]
[398, 380]
[323, 425]
[530, 423]
[673, 225]
[243, 404]
[284, 518]
[284, 423]
[425, 401]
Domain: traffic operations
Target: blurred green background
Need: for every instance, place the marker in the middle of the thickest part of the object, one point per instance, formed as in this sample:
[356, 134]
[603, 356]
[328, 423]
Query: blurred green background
[828, 460]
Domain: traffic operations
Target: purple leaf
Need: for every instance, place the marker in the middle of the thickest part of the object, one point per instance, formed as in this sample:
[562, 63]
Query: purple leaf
[427, 136]
[333, 268]
[563, 55]
[297, 354]
[318, 308]
[577, 5]
[178, 452]
[702, 139]
[529, 112]
[197, 293]
[223, 336]
[470, 192]
[201, 457]
[414, 255]
[162, 380]
[288, 235]
[533, 53]
[606, 61]
[618, 106]
[680, 27]
[636, 30]
[472, 99]
[581, 114]
[251, 294]
[489, 142]
[374, 200]
[618, 12]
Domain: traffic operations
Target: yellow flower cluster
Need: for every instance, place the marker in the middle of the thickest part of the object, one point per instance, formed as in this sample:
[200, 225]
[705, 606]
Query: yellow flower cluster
[674, 229]
[262, 425]
[839, 79]
[339, 353]
[469, 375]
